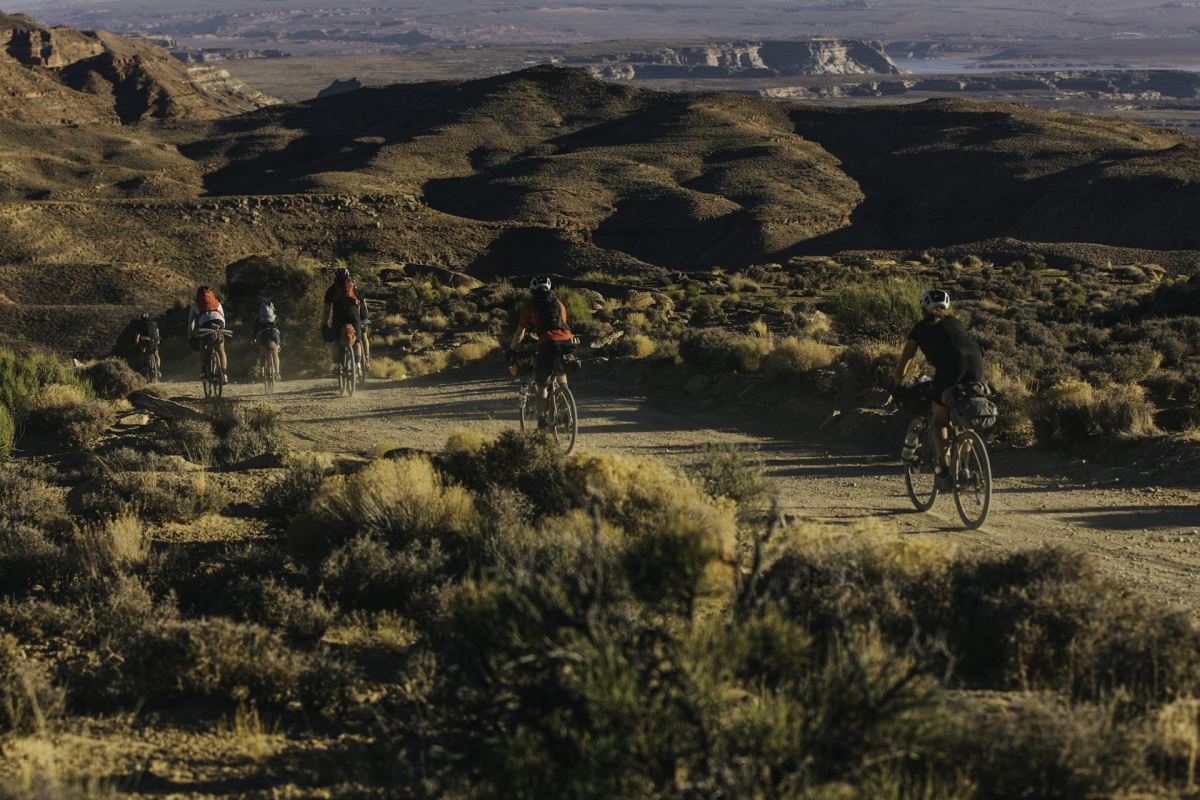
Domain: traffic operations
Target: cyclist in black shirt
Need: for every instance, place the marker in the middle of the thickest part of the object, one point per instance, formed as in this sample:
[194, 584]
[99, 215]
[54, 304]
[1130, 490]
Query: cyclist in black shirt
[954, 356]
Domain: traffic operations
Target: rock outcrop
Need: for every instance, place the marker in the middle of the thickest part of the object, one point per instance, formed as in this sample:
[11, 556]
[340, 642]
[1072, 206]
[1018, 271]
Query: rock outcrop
[1107, 84]
[341, 87]
[61, 75]
[745, 59]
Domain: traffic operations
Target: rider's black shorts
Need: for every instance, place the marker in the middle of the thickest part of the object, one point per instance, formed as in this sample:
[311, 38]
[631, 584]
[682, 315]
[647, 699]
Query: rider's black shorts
[968, 369]
[549, 359]
[347, 314]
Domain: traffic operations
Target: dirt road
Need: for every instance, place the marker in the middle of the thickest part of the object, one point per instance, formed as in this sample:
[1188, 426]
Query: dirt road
[1149, 537]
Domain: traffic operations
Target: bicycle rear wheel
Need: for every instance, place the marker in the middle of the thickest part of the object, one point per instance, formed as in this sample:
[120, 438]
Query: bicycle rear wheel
[207, 380]
[216, 376]
[566, 417]
[528, 402]
[348, 372]
[919, 476]
[972, 471]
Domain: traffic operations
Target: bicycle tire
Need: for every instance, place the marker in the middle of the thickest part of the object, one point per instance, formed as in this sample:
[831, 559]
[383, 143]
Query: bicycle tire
[922, 499]
[218, 380]
[969, 447]
[528, 406]
[563, 394]
[206, 381]
[348, 372]
[268, 375]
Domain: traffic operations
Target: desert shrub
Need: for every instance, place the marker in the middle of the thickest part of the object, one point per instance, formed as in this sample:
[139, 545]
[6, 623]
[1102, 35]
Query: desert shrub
[29, 558]
[1123, 410]
[8, 434]
[885, 308]
[672, 528]
[146, 652]
[291, 494]
[28, 700]
[1038, 745]
[113, 379]
[28, 501]
[579, 308]
[715, 350]
[276, 605]
[1072, 409]
[1053, 621]
[191, 438]
[67, 411]
[111, 545]
[398, 501]
[866, 365]
[244, 431]
[366, 574]
[477, 348]
[526, 463]
[426, 363]
[155, 497]
[794, 358]
[23, 373]
[636, 346]
[733, 473]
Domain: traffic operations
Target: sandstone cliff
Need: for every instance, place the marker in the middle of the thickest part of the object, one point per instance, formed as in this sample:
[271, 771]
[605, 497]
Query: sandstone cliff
[746, 59]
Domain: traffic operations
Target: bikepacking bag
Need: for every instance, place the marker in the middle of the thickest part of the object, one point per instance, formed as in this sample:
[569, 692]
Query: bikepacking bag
[973, 407]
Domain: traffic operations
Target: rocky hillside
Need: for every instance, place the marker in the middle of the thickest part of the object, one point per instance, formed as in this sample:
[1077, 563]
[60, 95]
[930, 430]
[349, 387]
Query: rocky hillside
[553, 170]
[1110, 84]
[60, 75]
[744, 59]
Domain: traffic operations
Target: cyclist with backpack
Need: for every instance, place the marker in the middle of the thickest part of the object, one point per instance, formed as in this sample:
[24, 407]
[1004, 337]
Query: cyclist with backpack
[146, 339]
[265, 333]
[956, 359]
[207, 313]
[342, 305]
[545, 314]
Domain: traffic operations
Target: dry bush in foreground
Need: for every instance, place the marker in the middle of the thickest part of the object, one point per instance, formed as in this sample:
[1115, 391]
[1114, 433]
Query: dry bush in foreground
[70, 413]
[27, 698]
[113, 379]
[155, 497]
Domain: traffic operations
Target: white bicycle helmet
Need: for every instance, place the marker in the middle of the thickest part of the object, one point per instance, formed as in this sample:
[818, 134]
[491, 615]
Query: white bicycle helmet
[935, 300]
[540, 284]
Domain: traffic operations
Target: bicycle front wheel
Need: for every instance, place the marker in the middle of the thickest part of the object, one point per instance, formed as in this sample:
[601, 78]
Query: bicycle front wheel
[972, 471]
[348, 376]
[528, 402]
[919, 476]
[566, 418]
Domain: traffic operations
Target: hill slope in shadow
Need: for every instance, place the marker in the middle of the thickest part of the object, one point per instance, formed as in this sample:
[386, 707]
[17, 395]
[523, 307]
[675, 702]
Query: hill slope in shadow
[551, 169]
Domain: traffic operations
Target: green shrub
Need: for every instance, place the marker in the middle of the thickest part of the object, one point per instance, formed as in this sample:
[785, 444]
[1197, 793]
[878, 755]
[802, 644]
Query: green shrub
[885, 308]
[23, 373]
[191, 438]
[579, 308]
[8, 434]
[113, 379]
[733, 473]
